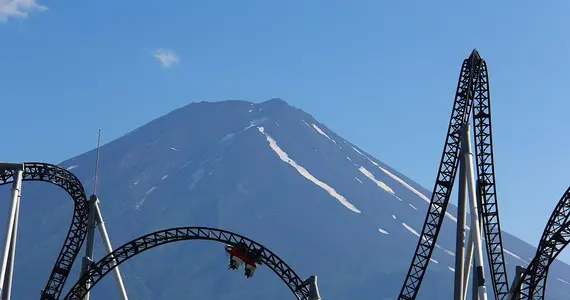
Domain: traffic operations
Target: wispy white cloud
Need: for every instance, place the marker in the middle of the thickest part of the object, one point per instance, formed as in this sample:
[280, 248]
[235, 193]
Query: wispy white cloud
[167, 58]
[18, 9]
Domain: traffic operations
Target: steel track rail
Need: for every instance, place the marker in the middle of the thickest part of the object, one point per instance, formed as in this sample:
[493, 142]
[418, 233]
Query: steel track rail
[137, 246]
[488, 206]
[472, 91]
[35, 171]
[445, 178]
[561, 212]
[554, 239]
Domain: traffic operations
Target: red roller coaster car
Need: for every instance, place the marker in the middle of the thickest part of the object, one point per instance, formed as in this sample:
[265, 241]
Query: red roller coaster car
[241, 254]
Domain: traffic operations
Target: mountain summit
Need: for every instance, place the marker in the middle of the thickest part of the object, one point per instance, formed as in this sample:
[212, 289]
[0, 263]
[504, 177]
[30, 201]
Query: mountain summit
[268, 171]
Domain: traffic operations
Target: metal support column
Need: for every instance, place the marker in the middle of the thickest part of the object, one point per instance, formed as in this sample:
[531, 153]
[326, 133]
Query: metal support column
[90, 241]
[469, 257]
[7, 285]
[518, 277]
[467, 155]
[467, 267]
[8, 256]
[460, 237]
[311, 282]
[109, 248]
[479, 203]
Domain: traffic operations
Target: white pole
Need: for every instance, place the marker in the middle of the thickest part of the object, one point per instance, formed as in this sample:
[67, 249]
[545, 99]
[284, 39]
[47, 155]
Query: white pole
[469, 259]
[476, 231]
[16, 188]
[459, 285]
[107, 243]
[90, 242]
[7, 286]
[467, 269]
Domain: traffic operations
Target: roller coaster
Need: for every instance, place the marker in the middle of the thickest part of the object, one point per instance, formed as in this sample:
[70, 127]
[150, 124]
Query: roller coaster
[162, 237]
[472, 100]
[84, 217]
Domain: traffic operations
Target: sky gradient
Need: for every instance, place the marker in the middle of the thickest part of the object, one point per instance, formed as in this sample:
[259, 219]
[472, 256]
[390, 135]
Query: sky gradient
[382, 74]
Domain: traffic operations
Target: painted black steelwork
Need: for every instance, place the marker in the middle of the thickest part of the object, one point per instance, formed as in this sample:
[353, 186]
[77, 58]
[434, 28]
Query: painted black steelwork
[98, 270]
[35, 171]
[488, 205]
[472, 93]
[555, 237]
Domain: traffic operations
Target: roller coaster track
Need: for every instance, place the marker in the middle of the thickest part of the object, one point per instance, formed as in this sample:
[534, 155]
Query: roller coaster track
[78, 229]
[554, 239]
[472, 93]
[98, 270]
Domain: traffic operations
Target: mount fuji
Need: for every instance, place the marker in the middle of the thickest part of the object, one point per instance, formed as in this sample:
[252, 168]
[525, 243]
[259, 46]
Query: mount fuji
[268, 171]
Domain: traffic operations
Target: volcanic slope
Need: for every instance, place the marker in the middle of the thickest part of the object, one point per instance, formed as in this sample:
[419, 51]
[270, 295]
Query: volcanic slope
[268, 171]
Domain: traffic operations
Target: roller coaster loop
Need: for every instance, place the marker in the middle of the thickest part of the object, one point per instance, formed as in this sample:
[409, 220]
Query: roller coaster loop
[555, 238]
[35, 171]
[123, 253]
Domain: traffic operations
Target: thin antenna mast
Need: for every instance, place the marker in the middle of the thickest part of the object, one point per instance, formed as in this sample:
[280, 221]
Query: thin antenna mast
[95, 218]
[97, 163]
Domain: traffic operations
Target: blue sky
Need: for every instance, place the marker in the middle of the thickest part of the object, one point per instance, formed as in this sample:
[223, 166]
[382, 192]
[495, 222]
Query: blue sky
[382, 74]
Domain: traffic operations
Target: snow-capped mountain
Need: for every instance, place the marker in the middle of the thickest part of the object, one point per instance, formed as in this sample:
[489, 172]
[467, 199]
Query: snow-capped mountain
[268, 171]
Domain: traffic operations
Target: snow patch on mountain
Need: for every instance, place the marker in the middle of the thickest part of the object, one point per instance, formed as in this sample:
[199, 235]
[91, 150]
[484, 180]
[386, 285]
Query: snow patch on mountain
[196, 176]
[515, 256]
[383, 231]
[230, 136]
[410, 229]
[320, 131]
[379, 183]
[285, 157]
[140, 203]
[445, 250]
[402, 182]
[405, 184]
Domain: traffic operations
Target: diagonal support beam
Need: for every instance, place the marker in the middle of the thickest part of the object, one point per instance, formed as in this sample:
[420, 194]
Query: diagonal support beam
[96, 220]
[109, 248]
[467, 161]
[7, 271]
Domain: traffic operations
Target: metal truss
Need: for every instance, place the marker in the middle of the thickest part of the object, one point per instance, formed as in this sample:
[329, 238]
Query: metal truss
[472, 92]
[98, 270]
[555, 237]
[488, 207]
[35, 171]
[443, 184]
